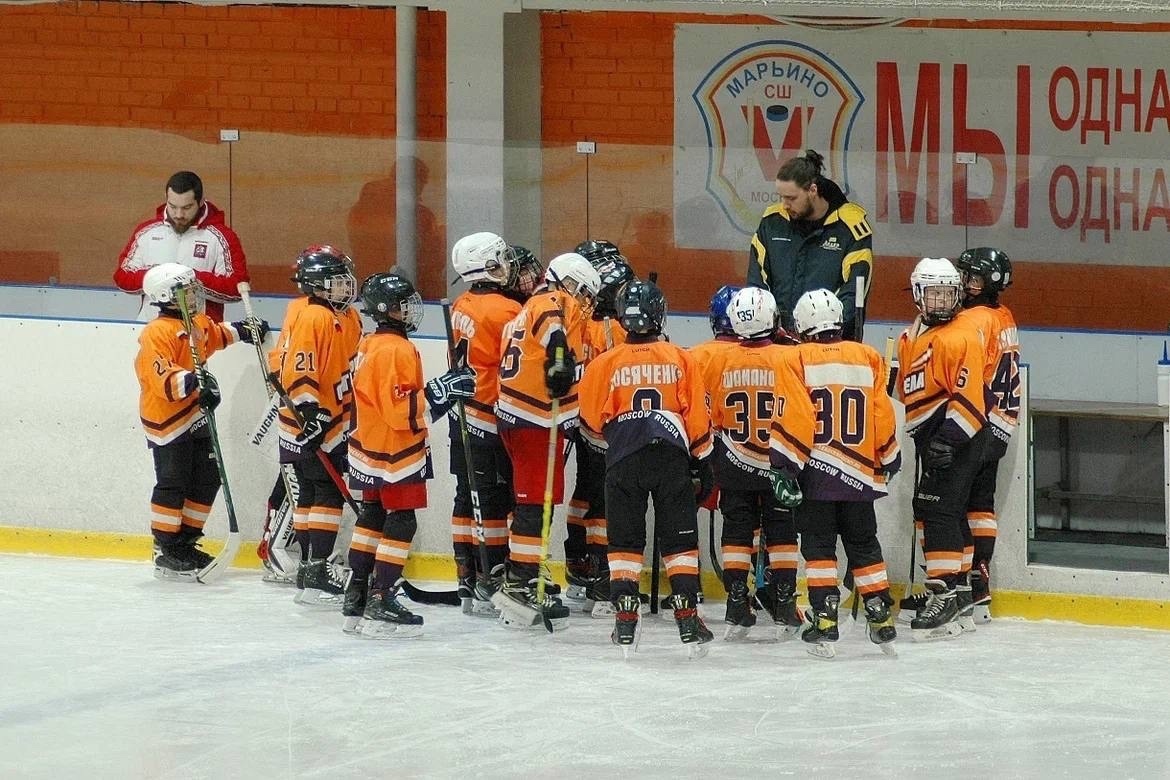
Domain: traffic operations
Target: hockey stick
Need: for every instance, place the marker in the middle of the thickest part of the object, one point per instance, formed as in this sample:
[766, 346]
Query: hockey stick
[469, 460]
[416, 594]
[547, 512]
[220, 563]
[711, 547]
[654, 566]
[283, 532]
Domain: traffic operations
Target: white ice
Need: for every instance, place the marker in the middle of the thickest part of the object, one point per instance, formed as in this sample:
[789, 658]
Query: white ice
[108, 673]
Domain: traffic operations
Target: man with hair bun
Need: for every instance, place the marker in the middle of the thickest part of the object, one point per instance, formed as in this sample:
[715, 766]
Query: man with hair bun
[813, 238]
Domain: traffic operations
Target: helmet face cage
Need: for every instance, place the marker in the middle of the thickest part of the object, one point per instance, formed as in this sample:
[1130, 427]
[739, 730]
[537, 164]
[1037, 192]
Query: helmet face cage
[643, 309]
[388, 297]
[937, 288]
[327, 273]
[752, 312]
[529, 272]
[616, 276]
[717, 315]
[818, 313]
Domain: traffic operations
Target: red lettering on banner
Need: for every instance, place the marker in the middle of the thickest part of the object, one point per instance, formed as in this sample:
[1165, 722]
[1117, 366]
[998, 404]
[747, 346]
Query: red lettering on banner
[1104, 110]
[1104, 198]
[924, 139]
[975, 211]
[1023, 143]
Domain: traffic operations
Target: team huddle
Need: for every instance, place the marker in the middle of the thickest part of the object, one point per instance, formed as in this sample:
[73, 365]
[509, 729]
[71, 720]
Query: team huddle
[790, 433]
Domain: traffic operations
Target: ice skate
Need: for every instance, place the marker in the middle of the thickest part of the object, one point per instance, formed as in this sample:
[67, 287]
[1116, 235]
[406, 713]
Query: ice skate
[597, 597]
[519, 607]
[353, 605]
[691, 629]
[578, 574]
[739, 616]
[465, 583]
[188, 550]
[880, 624]
[627, 628]
[324, 584]
[386, 618]
[966, 616]
[169, 565]
[782, 598]
[981, 594]
[821, 630]
[938, 619]
[909, 607]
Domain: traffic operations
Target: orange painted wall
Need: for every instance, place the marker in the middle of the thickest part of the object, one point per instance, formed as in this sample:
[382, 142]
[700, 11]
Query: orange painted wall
[190, 70]
[609, 77]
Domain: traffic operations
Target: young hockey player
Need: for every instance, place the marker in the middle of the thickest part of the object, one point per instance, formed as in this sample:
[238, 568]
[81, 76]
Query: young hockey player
[834, 443]
[478, 318]
[941, 365]
[389, 455]
[586, 561]
[541, 348]
[317, 345]
[646, 399]
[173, 407]
[741, 381]
[987, 272]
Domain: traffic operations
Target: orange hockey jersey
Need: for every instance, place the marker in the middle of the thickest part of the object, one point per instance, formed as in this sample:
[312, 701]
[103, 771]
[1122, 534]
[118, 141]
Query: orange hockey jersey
[317, 348]
[478, 320]
[941, 381]
[600, 336]
[1001, 366]
[163, 364]
[524, 401]
[638, 392]
[740, 379]
[834, 424]
[389, 439]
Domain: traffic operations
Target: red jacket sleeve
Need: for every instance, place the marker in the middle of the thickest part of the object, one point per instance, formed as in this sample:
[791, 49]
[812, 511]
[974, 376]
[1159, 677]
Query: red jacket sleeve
[222, 283]
[127, 278]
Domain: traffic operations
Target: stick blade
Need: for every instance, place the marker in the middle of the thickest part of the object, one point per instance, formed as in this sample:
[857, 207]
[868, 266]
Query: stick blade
[220, 564]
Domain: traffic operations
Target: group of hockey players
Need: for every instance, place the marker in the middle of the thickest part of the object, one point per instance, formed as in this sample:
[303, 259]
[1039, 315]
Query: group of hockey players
[792, 435]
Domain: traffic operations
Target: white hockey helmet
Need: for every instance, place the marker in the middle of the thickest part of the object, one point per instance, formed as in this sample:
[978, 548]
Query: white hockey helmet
[161, 283]
[483, 257]
[818, 311]
[752, 312]
[937, 287]
[575, 275]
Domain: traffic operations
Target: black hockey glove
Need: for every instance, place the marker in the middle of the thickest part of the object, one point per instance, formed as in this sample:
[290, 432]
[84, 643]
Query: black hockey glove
[940, 454]
[703, 478]
[252, 331]
[313, 431]
[560, 368]
[209, 396]
[785, 488]
[458, 384]
[890, 470]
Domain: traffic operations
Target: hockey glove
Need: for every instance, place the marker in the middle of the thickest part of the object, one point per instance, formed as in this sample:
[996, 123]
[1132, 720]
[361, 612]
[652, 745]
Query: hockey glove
[313, 431]
[939, 455]
[252, 331]
[560, 368]
[888, 471]
[785, 488]
[209, 396]
[703, 478]
[458, 384]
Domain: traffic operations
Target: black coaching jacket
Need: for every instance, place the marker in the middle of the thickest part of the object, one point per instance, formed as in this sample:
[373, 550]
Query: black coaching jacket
[789, 257]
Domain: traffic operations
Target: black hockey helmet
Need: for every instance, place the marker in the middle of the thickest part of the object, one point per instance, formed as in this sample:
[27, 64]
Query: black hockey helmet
[598, 251]
[992, 265]
[326, 272]
[389, 297]
[616, 275]
[643, 309]
[528, 271]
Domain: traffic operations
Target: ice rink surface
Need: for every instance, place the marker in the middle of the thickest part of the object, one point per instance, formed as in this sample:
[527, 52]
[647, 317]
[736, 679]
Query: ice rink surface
[108, 673]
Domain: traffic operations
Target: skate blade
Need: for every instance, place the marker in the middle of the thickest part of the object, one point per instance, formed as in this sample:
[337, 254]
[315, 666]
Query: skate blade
[945, 631]
[602, 609]
[483, 609]
[317, 599]
[627, 651]
[575, 592]
[352, 625]
[785, 633]
[696, 650]
[276, 578]
[967, 624]
[736, 633]
[889, 649]
[170, 575]
[380, 629]
[822, 650]
[981, 613]
[906, 615]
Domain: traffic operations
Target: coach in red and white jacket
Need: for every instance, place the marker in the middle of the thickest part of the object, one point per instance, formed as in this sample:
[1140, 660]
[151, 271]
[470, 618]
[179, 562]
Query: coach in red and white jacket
[190, 231]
